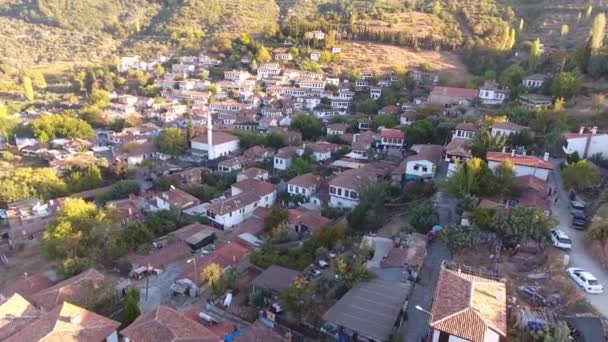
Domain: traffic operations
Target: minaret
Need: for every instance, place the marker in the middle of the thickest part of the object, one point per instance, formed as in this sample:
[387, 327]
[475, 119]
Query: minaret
[210, 152]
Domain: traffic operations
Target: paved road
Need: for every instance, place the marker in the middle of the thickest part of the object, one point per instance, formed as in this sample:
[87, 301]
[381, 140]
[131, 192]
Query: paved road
[580, 255]
[417, 325]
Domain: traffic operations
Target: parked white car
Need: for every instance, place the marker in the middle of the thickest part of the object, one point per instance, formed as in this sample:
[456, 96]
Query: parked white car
[560, 239]
[586, 280]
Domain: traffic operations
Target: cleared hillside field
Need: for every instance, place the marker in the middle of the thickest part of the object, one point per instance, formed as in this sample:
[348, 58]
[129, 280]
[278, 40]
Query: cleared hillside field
[383, 58]
[417, 23]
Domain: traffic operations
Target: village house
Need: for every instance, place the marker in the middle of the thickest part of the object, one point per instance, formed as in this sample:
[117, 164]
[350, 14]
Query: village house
[506, 129]
[375, 92]
[337, 129]
[236, 75]
[275, 278]
[246, 196]
[315, 55]
[166, 324]
[336, 49]
[424, 78]
[318, 85]
[407, 118]
[344, 188]
[258, 153]
[252, 173]
[259, 331]
[284, 158]
[303, 185]
[391, 138]
[586, 144]
[534, 81]
[523, 164]
[267, 70]
[423, 164]
[133, 63]
[465, 130]
[66, 322]
[320, 150]
[362, 143]
[457, 152]
[173, 198]
[492, 94]
[304, 221]
[317, 35]
[283, 56]
[127, 210]
[136, 153]
[231, 165]
[355, 318]
[448, 96]
[468, 307]
[390, 110]
[74, 290]
[535, 101]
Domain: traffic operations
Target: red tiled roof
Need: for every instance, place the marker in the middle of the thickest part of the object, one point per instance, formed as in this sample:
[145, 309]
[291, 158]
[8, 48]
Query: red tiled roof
[15, 313]
[219, 330]
[324, 147]
[311, 219]
[466, 126]
[455, 92]
[306, 180]
[228, 254]
[67, 322]
[233, 203]
[187, 231]
[459, 147]
[533, 199]
[179, 198]
[392, 133]
[531, 182]
[467, 306]
[71, 289]
[159, 258]
[353, 178]
[256, 186]
[28, 286]
[286, 152]
[391, 109]
[432, 153]
[167, 325]
[218, 138]
[511, 126]
[252, 225]
[529, 161]
[260, 332]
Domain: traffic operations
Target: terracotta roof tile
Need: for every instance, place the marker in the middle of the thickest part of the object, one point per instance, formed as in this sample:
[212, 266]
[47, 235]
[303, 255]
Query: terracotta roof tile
[259, 332]
[467, 306]
[72, 289]
[218, 138]
[306, 180]
[167, 325]
[466, 126]
[67, 322]
[508, 126]
[392, 133]
[529, 161]
[16, 313]
[455, 92]
[276, 278]
[28, 286]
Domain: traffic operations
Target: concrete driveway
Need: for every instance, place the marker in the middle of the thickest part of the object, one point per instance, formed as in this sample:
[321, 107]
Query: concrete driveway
[580, 255]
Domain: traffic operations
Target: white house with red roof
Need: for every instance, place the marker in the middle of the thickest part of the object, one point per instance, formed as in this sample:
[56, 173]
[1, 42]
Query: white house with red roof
[391, 138]
[305, 185]
[452, 96]
[465, 130]
[523, 165]
[586, 144]
[214, 144]
[506, 129]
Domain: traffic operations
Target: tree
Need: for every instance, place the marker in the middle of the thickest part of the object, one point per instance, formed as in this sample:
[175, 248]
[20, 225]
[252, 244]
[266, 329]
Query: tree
[77, 233]
[131, 310]
[245, 39]
[25, 183]
[83, 178]
[28, 89]
[565, 85]
[598, 32]
[484, 141]
[522, 224]
[211, 276]
[369, 213]
[459, 238]
[300, 166]
[424, 216]
[277, 216]
[511, 76]
[120, 189]
[310, 65]
[384, 120]
[262, 55]
[296, 298]
[99, 98]
[171, 141]
[504, 179]
[534, 57]
[49, 127]
[309, 126]
[472, 177]
[580, 175]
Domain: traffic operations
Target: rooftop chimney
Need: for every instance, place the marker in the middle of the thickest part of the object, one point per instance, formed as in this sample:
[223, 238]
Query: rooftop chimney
[594, 130]
[512, 153]
[581, 130]
[504, 149]
[546, 156]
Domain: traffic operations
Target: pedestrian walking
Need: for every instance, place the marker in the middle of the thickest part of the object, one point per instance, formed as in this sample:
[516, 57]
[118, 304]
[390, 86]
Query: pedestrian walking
[556, 199]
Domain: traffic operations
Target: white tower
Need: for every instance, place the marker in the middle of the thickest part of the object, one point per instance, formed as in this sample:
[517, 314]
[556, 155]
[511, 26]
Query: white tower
[210, 151]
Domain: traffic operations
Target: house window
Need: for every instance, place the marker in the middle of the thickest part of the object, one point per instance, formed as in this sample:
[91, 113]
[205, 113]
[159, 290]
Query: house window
[339, 191]
[354, 195]
[425, 169]
[332, 190]
[291, 188]
[416, 167]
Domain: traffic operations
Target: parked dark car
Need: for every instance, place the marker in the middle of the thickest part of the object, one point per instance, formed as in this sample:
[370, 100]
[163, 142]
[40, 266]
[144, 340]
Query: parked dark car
[579, 220]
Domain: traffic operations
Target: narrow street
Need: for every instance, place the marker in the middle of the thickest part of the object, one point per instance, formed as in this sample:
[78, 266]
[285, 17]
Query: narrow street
[580, 255]
[417, 325]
